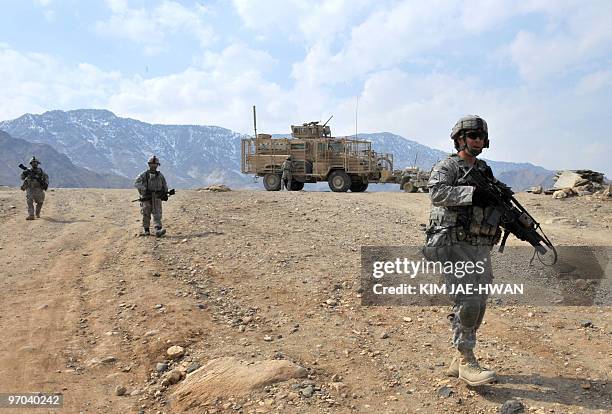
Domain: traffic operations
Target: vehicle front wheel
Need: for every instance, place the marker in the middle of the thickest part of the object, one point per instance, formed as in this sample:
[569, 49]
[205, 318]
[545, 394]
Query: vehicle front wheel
[359, 187]
[272, 182]
[296, 185]
[408, 187]
[339, 181]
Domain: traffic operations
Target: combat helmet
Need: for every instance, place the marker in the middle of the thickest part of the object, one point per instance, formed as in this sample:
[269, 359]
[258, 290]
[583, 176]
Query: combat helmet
[34, 160]
[153, 160]
[471, 123]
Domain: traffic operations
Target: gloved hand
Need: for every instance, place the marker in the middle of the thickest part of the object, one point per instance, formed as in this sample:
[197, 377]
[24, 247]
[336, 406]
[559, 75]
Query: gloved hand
[481, 198]
[163, 196]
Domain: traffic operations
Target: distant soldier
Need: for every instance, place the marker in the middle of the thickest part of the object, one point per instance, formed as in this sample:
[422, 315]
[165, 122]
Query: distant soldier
[151, 185]
[35, 183]
[463, 228]
[287, 168]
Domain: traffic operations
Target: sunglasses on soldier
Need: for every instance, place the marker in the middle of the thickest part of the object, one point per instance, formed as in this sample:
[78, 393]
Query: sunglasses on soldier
[475, 135]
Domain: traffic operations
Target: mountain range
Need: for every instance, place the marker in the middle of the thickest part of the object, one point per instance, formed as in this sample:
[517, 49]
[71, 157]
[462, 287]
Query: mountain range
[116, 149]
[62, 172]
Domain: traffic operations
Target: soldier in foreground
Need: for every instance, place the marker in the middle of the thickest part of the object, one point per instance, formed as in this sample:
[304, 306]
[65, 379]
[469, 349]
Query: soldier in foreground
[35, 183]
[287, 168]
[458, 231]
[151, 185]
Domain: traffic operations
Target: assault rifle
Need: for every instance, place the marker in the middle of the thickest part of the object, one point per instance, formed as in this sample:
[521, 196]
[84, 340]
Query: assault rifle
[509, 213]
[34, 175]
[163, 196]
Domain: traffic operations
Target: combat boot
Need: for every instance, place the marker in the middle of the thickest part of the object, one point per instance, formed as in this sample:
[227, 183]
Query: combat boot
[159, 231]
[30, 218]
[472, 373]
[453, 368]
[146, 232]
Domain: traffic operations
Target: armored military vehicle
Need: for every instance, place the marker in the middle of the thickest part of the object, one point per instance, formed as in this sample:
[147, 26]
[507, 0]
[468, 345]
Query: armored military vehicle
[412, 179]
[345, 163]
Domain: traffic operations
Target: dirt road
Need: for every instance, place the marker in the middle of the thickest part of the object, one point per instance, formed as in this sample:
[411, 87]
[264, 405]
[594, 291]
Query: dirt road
[87, 306]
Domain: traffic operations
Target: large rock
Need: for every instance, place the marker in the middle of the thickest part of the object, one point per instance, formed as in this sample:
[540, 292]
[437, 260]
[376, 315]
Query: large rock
[568, 179]
[225, 377]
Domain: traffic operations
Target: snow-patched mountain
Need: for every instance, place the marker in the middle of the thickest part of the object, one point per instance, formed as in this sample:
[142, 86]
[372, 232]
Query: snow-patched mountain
[191, 155]
[519, 176]
[195, 155]
[62, 172]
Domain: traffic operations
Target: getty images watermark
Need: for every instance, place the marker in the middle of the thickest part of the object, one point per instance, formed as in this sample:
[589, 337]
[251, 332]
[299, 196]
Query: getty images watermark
[414, 276]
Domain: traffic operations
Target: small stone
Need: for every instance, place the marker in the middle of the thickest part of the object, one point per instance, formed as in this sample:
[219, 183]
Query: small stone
[175, 351]
[586, 324]
[445, 391]
[512, 407]
[268, 338]
[120, 390]
[331, 302]
[172, 377]
[161, 367]
[151, 333]
[384, 335]
[192, 367]
[531, 314]
[307, 391]
[108, 360]
[407, 319]
[293, 396]
[586, 385]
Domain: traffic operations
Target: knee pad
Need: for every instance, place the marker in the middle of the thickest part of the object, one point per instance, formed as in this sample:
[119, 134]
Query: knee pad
[469, 313]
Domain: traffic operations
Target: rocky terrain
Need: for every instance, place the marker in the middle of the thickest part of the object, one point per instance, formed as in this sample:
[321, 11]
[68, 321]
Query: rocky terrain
[251, 304]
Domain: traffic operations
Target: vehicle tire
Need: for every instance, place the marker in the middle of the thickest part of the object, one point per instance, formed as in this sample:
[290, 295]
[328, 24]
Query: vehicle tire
[272, 182]
[408, 187]
[359, 187]
[339, 181]
[296, 185]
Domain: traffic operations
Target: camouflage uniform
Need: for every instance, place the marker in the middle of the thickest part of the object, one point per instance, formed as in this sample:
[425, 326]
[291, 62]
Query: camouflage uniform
[151, 183]
[34, 185]
[287, 167]
[457, 232]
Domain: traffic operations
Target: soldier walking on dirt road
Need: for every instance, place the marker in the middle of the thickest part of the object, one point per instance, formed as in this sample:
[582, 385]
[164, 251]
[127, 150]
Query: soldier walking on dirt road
[151, 185]
[35, 183]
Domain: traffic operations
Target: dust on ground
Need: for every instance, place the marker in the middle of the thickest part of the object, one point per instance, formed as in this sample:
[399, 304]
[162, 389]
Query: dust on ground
[88, 306]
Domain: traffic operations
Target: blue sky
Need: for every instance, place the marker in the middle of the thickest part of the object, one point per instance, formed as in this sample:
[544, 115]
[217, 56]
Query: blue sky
[538, 71]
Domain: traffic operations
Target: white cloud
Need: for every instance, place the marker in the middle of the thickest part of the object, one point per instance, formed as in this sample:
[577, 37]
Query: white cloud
[34, 82]
[301, 20]
[595, 82]
[556, 130]
[237, 59]
[580, 36]
[151, 28]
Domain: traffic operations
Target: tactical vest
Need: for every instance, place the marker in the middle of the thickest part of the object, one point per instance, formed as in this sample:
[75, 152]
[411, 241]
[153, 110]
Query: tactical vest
[465, 223]
[153, 181]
